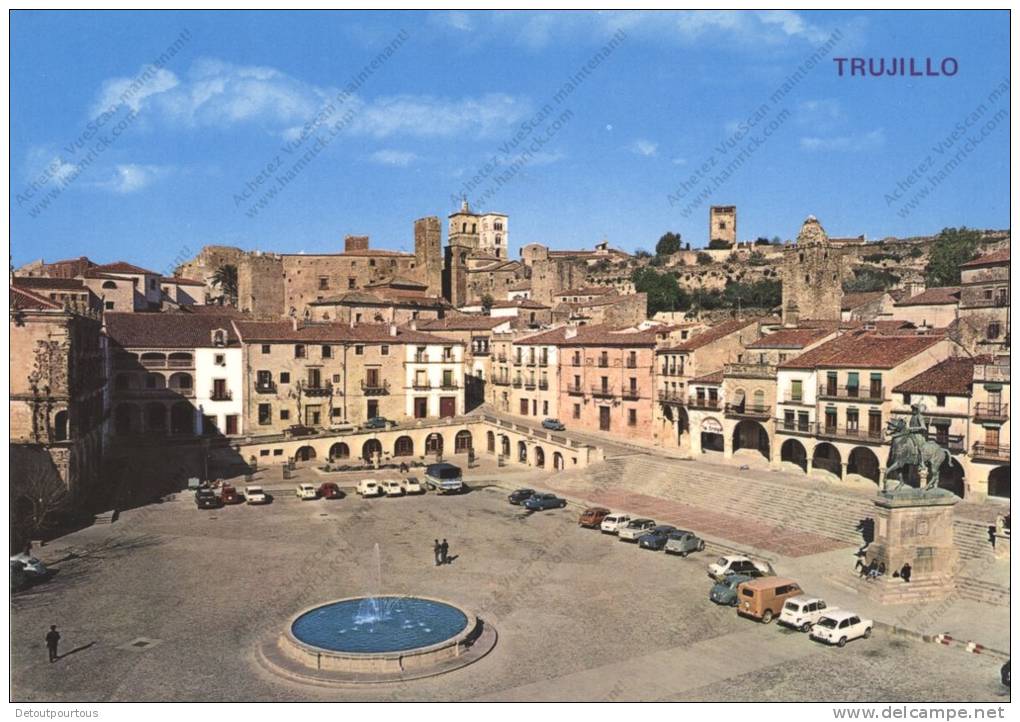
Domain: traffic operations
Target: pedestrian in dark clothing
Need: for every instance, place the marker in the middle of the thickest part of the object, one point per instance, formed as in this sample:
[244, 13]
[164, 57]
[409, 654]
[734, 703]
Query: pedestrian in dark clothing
[861, 566]
[437, 551]
[52, 640]
[905, 572]
[444, 552]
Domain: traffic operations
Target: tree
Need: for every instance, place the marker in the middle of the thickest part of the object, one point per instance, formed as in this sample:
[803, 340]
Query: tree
[668, 244]
[719, 244]
[704, 259]
[952, 248]
[664, 294]
[870, 279]
[761, 241]
[642, 253]
[487, 301]
[225, 278]
[38, 494]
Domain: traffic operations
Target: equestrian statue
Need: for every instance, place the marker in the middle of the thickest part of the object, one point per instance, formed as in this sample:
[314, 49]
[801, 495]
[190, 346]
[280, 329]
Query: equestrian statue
[912, 449]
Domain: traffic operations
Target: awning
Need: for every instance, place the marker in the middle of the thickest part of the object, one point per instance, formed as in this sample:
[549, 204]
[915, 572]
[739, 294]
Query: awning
[738, 399]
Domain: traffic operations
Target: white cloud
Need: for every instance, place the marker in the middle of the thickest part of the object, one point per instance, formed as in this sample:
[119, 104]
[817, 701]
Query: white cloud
[428, 116]
[394, 157]
[679, 161]
[852, 142]
[821, 114]
[644, 147]
[131, 177]
[740, 27]
[132, 92]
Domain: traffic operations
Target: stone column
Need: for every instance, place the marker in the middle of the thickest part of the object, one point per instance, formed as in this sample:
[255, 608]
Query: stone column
[842, 471]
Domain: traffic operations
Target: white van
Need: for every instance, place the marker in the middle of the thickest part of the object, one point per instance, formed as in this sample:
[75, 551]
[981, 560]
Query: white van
[370, 487]
[802, 612]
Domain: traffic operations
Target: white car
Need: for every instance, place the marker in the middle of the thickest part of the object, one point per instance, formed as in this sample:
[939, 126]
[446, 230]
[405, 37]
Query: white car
[735, 564]
[306, 491]
[255, 495]
[370, 487]
[802, 612]
[839, 627]
[392, 487]
[635, 528]
[412, 486]
[612, 523]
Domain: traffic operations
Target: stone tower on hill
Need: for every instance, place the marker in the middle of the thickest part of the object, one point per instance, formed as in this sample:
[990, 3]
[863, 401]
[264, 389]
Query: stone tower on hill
[813, 274]
[722, 224]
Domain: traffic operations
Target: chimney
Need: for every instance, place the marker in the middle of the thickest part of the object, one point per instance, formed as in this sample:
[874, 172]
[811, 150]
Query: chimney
[915, 288]
[355, 243]
[570, 332]
[393, 329]
[413, 324]
[293, 322]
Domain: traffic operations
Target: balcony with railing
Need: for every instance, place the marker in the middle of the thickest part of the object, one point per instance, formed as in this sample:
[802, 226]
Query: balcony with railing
[987, 452]
[954, 443]
[375, 388]
[518, 360]
[501, 380]
[421, 385]
[704, 403]
[501, 358]
[795, 426]
[852, 393]
[992, 372]
[672, 396]
[221, 395]
[991, 411]
[518, 383]
[630, 393]
[666, 370]
[543, 385]
[857, 434]
[265, 387]
[448, 385]
[748, 411]
[603, 363]
[602, 391]
[631, 363]
[575, 389]
[529, 385]
[750, 371]
[317, 389]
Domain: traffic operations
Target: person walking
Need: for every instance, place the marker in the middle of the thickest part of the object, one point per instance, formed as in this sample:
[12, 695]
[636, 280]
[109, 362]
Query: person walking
[52, 640]
[444, 552]
[905, 572]
[437, 552]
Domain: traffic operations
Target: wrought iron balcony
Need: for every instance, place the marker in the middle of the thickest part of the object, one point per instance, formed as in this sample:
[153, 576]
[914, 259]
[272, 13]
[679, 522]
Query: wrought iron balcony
[748, 411]
[517, 383]
[268, 387]
[805, 428]
[500, 381]
[852, 393]
[448, 385]
[875, 436]
[377, 388]
[991, 411]
[317, 390]
[529, 385]
[630, 393]
[704, 403]
[987, 452]
[672, 397]
[575, 389]
[602, 391]
[421, 386]
[221, 395]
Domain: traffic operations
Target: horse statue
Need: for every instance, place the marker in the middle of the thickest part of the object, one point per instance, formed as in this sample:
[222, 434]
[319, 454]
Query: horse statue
[911, 449]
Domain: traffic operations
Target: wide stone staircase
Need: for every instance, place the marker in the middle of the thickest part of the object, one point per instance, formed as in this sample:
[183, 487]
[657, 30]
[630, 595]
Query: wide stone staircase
[809, 507]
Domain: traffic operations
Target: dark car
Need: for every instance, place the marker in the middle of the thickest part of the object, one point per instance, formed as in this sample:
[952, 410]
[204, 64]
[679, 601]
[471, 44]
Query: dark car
[553, 425]
[207, 499]
[1004, 673]
[656, 538]
[519, 496]
[330, 490]
[540, 502]
[725, 592]
[377, 422]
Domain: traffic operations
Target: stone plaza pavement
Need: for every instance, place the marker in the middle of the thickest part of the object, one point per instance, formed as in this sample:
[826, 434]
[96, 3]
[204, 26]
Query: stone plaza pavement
[172, 603]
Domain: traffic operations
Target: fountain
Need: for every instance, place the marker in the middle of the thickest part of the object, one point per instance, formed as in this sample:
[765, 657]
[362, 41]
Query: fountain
[379, 637]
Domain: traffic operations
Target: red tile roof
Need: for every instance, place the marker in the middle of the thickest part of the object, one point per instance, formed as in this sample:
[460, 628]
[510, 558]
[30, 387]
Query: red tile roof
[952, 377]
[791, 338]
[179, 281]
[989, 259]
[22, 298]
[863, 350]
[597, 335]
[712, 334]
[856, 300]
[122, 267]
[285, 332]
[68, 284]
[715, 378]
[463, 323]
[938, 296]
[167, 330]
[589, 291]
[519, 303]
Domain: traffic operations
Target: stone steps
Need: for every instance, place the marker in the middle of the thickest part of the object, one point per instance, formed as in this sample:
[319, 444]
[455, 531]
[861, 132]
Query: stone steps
[979, 590]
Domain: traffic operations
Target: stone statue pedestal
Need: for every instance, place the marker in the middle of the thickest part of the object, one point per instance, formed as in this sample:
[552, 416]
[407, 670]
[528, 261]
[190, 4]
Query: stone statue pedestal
[914, 527]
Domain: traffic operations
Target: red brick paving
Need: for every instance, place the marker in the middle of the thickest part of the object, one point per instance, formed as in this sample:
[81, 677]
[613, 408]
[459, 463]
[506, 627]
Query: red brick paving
[739, 529]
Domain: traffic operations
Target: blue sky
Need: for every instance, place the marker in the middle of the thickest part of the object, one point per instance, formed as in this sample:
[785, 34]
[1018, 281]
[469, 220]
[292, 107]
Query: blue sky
[456, 88]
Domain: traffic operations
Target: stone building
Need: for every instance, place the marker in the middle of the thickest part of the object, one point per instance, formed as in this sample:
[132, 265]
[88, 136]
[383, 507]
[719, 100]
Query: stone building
[932, 308]
[988, 434]
[395, 300]
[124, 287]
[722, 224]
[179, 291]
[813, 273]
[69, 292]
[57, 404]
[476, 333]
[322, 375]
[984, 303]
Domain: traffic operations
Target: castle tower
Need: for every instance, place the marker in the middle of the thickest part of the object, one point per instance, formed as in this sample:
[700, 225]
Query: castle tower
[494, 235]
[428, 253]
[455, 272]
[813, 275]
[464, 227]
[722, 224]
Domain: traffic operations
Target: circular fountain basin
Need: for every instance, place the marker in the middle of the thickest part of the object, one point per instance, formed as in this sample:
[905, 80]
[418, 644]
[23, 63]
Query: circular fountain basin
[385, 635]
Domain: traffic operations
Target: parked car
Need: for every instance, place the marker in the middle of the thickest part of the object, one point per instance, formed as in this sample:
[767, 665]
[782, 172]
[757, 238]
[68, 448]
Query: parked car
[553, 425]
[839, 627]
[19, 579]
[725, 592]
[393, 487]
[612, 523]
[229, 495]
[370, 487]
[591, 518]
[733, 564]
[541, 502]
[377, 422]
[519, 496]
[635, 528]
[330, 490]
[412, 485]
[444, 478]
[655, 539]
[802, 612]
[684, 542]
[306, 491]
[206, 498]
[255, 495]
[763, 598]
[30, 566]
